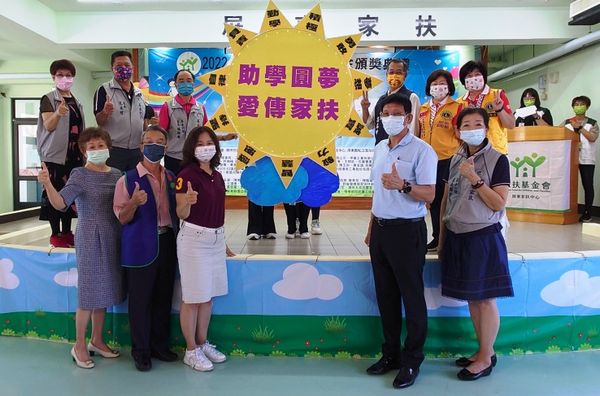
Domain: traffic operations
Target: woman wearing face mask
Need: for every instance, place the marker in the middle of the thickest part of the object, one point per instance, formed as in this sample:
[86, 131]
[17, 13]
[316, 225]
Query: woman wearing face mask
[473, 75]
[201, 248]
[542, 117]
[179, 116]
[437, 122]
[59, 124]
[587, 128]
[96, 241]
[472, 249]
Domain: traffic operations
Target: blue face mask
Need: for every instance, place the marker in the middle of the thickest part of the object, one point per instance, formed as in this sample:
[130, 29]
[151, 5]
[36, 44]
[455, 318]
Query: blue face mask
[185, 88]
[474, 137]
[97, 157]
[154, 152]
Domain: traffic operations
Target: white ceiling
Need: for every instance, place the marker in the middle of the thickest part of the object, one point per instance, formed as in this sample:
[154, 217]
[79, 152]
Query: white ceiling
[184, 5]
[19, 40]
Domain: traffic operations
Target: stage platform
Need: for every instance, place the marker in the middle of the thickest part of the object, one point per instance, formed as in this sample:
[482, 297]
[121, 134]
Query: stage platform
[316, 297]
[343, 235]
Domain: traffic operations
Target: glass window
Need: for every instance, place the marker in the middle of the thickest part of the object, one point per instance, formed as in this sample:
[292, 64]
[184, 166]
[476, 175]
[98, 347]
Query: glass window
[27, 108]
[29, 160]
[30, 191]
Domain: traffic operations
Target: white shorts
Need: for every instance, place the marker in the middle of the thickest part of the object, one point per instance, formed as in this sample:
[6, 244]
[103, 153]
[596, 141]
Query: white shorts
[201, 256]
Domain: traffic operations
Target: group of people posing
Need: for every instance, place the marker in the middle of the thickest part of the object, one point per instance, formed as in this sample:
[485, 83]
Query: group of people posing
[449, 156]
[138, 220]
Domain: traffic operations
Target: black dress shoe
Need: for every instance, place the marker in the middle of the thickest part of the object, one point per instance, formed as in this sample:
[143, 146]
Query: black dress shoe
[384, 365]
[466, 375]
[405, 377]
[165, 356]
[142, 363]
[465, 361]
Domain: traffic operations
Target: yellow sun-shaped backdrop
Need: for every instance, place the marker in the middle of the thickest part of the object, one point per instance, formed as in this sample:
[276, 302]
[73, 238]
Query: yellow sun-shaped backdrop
[289, 92]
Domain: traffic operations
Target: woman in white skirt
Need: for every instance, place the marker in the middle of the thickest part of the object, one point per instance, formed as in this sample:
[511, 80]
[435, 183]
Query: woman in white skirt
[201, 248]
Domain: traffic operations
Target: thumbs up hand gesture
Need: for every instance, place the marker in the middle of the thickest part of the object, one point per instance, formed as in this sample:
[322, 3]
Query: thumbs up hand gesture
[191, 196]
[467, 169]
[139, 197]
[392, 180]
[62, 109]
[44, 175]
[108, 105]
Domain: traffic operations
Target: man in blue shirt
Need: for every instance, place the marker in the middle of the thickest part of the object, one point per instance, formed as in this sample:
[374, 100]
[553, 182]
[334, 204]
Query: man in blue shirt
[404, 177]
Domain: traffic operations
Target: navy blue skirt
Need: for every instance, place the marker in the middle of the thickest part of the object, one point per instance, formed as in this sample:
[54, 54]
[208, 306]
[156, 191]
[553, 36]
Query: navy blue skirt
[475, 265]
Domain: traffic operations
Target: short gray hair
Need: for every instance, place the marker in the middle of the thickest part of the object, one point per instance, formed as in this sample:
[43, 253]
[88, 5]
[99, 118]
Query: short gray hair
[155, 128]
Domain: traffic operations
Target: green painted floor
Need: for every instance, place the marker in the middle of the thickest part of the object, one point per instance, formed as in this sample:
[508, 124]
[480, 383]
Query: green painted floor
[29, 367]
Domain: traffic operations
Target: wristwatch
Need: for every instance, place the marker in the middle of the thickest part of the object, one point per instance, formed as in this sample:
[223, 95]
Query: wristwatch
[407, 187]
[478, 184]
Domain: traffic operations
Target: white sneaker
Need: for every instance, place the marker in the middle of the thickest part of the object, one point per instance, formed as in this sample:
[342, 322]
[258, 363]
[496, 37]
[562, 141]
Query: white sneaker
[271, 235]
[315, 228]
[212, 353]
[305, 235]
[290, 236]
[253, 237]
[197, 360]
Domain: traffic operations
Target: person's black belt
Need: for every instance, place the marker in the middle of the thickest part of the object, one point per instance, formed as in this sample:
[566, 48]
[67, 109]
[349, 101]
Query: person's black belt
[392, 222]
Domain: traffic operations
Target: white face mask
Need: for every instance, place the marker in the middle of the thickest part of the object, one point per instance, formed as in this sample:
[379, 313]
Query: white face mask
[474, 83]
[393, 125]
[97, 157]
[205, 153]
[473, 137]
[438, 91]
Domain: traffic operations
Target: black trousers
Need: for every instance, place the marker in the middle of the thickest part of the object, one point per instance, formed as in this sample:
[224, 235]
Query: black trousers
[260, 219]
[297, 211]
[587, 181]
[442, 169]
[316, 211]
[59, 174]
[172, 164]
[397, 257]
[150, 291]
[124, 159]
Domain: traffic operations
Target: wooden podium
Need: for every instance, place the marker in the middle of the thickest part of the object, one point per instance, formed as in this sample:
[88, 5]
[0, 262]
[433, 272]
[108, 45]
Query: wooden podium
[544, 134]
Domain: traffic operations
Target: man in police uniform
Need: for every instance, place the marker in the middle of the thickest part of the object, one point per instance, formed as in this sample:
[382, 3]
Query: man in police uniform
[404, 176]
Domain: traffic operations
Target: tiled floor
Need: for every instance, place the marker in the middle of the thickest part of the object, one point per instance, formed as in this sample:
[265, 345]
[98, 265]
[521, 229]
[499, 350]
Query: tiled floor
[343, 235]
[29, 367]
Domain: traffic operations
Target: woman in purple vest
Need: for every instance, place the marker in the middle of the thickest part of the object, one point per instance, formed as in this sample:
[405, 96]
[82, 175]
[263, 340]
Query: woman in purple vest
[201, 248]
[97, 237]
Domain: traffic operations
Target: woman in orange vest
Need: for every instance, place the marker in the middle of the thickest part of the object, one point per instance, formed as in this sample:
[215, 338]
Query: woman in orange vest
[437, 122]
[473, 75]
